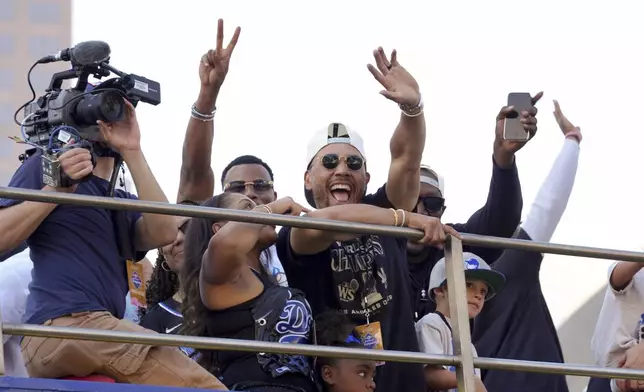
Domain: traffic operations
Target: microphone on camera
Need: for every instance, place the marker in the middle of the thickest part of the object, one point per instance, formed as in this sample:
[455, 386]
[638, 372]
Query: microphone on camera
[84, 53]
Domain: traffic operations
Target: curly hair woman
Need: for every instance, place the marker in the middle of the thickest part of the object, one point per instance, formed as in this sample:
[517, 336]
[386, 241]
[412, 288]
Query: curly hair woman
[226, 296]
[163, 294]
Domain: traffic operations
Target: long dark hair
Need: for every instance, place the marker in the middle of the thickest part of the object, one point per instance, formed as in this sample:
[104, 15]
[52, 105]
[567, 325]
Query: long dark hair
[163, 284]
[198, 235]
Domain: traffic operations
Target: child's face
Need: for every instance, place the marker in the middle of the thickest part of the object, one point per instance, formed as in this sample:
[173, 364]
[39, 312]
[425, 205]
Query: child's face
[476, 293]
[350, 375]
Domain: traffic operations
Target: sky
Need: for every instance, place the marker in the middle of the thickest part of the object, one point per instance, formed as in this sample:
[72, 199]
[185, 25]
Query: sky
[298, 67]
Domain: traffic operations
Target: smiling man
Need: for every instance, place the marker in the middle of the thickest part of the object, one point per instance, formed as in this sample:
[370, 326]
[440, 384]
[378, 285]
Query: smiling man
[364, 276]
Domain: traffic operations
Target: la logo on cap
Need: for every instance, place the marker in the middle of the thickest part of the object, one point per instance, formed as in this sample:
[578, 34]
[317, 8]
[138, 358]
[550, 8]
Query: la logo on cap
[471, 264]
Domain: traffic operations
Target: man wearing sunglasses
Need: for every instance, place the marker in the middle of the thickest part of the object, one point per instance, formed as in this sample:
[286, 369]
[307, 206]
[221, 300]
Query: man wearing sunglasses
[499, 216]
[365, 276]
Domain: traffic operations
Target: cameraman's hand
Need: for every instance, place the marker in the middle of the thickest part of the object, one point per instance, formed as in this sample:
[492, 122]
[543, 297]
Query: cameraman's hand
[435, 231]
[124, 136]
[77, 164]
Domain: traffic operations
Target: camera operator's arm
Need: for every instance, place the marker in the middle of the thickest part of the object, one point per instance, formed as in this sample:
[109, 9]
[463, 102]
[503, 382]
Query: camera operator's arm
[197, 181]
[151, 230]
[18, 219]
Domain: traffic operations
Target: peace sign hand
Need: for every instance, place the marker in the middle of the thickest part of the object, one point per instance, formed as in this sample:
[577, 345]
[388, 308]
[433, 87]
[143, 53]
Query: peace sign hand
[214, 64]
[399, 85]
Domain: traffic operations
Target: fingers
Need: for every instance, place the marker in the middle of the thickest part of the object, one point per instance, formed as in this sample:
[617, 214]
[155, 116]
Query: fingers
[449, 230]
[537, 97]
[76, 163]
[381, 60]
[506, 112]
[377, 75]
[394, 58]
[233, 41]
[220, 35]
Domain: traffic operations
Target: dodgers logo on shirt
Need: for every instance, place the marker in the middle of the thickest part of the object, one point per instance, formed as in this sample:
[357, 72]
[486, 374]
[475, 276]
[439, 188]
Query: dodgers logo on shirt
[471, 264]
[136, 280]
[369, 340]
[294, 323]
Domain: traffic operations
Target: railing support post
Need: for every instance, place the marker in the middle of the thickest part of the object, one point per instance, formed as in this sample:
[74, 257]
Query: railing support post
[459, 315]
[1, 348]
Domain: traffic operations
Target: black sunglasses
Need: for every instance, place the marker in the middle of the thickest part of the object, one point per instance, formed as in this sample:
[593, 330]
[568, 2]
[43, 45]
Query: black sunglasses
[331, 161]
[240, 186]
[432, 203]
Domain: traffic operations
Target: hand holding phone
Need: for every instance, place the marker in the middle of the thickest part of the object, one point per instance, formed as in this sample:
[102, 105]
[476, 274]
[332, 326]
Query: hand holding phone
[519, 122]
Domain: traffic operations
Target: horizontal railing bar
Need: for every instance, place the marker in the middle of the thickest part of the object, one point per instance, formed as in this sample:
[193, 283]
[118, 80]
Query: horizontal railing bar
[306, 222]
[557, 368]
[155, 339]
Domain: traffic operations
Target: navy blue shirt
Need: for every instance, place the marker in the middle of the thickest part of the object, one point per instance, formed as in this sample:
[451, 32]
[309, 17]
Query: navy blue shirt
[77, 266]
[371, 269]
[499, 217]
[516, 324]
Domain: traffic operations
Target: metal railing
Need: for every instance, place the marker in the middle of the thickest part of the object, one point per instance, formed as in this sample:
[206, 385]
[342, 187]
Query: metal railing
[462, 358]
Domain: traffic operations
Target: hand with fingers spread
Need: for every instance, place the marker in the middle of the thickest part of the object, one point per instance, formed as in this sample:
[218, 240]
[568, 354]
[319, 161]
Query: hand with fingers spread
[435, 231]
[504, 150]
[213, 67]
[568, 129]
[399, 85]
[124, 136]
[286, 206]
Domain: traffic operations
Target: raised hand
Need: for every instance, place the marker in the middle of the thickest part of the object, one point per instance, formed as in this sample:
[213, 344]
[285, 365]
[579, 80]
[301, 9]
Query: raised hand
[399, 85]
[505, 149]
[435, 231]
[566, 126]
[124, 136]
[214, 64]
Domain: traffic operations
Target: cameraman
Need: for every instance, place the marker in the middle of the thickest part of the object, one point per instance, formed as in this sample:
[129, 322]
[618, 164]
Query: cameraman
[79, 275]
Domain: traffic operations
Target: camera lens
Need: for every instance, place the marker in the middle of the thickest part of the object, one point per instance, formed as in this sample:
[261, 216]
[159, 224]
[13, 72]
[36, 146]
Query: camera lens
[107, 106]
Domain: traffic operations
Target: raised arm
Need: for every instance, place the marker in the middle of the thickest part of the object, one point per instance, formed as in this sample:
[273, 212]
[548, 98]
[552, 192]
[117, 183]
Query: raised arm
[197, 180]
[551, 201]
[501, 213]
[152, 230]
[408, 141]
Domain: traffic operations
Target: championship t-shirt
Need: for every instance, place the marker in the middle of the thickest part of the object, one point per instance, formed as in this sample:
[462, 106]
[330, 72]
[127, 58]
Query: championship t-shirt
[367, 279]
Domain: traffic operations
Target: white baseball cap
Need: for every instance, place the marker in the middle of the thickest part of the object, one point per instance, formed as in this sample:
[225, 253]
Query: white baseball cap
[438, 181]
[475, 268]
[333, 133]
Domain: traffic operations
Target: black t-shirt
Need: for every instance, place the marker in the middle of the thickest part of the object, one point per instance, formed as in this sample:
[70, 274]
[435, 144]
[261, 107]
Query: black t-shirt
[516, 324]
[371, 268]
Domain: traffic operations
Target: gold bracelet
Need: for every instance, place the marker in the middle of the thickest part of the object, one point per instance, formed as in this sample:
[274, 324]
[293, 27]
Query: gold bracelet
[267, 208]
[395, 217]
[404, 218]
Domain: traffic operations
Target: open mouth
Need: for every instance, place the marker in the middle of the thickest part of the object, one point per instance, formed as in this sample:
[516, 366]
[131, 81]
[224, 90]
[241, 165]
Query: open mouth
[341, 192]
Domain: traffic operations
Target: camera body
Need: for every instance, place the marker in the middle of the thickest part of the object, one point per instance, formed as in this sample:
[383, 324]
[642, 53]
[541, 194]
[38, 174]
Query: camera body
[82, 106]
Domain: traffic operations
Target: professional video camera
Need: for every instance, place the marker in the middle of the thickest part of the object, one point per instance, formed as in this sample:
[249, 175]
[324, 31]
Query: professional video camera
[53, 119]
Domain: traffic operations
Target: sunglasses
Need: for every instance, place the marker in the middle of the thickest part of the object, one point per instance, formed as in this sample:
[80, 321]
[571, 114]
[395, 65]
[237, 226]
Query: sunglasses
[331, 161]
[240, 186]
[432, 203]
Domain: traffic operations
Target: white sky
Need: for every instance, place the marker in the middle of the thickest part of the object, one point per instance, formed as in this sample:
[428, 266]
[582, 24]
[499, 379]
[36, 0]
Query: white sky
[298, 67]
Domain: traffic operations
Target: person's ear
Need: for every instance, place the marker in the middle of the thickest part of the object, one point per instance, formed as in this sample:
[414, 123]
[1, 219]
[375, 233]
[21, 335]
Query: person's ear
[367, 178]
[328, 375]
[308, 180]
[216, 227]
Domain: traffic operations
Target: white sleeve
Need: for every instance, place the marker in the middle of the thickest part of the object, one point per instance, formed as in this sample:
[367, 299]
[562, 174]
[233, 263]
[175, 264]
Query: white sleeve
[617, 324]
[431, 336]
[549, 205]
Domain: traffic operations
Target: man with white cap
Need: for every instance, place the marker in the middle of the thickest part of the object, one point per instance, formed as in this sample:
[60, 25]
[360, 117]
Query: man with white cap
[499, 216]
[365, 276]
